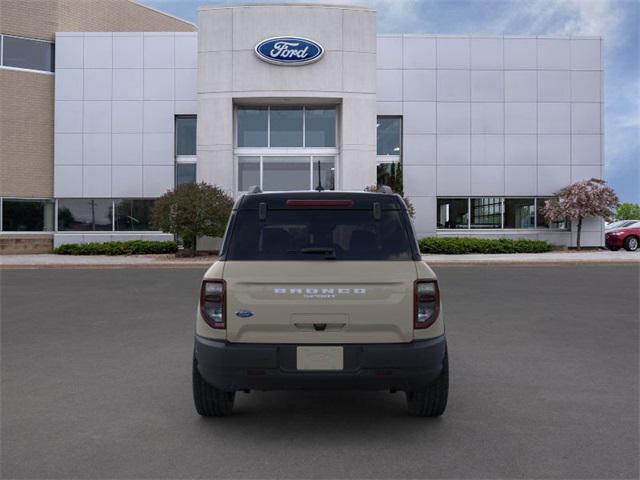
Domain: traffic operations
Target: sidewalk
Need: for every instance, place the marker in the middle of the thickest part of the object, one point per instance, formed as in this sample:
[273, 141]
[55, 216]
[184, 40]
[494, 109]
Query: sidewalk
[159, 261]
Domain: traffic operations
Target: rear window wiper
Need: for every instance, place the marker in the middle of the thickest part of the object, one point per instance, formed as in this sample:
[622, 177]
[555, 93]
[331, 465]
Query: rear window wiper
[330, 253]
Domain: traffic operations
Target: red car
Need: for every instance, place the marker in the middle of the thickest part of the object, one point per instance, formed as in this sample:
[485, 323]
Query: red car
[627, 237]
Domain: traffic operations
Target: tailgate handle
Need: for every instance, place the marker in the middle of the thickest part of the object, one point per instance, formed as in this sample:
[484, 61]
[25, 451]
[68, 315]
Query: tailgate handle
[320, 327]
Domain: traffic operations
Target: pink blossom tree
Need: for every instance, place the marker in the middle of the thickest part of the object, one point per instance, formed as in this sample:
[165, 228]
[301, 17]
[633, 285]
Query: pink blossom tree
[586, 198]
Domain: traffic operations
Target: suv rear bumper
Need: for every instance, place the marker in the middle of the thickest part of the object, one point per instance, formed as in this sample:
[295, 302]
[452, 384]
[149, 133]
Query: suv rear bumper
[255, 366]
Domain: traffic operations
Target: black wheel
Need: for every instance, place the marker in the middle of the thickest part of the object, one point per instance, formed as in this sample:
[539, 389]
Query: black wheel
[431, 402]
[631, 244]
[210, 402]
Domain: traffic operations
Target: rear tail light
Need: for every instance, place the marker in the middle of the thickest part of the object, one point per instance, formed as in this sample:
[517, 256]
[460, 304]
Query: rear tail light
[213, 298]
[426, 303]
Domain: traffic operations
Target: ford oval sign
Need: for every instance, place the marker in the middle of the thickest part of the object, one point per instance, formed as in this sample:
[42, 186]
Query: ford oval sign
[289, 51]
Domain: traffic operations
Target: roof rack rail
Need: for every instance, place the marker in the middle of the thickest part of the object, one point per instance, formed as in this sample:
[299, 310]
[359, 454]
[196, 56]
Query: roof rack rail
[385, 189]
[254, 189]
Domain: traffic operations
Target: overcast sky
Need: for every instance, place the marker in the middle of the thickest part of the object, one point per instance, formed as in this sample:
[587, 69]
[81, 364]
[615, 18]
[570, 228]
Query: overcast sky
[617, 21]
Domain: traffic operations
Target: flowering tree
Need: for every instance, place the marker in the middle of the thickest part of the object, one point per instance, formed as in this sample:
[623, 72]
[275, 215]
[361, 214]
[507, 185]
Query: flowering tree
[193, 210]
[586, 198]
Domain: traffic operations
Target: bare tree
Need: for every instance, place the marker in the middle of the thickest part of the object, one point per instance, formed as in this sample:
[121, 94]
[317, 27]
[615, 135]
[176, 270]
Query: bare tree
[586, 198]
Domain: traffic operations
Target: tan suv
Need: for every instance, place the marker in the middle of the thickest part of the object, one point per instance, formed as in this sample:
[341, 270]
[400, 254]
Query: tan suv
[320, 290]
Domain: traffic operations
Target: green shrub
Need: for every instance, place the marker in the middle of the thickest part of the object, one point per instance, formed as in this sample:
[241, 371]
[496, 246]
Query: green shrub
[132, 247]
[461, 245]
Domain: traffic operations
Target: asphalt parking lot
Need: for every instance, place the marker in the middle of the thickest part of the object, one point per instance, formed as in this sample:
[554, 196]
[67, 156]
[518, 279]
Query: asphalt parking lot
[96, 384]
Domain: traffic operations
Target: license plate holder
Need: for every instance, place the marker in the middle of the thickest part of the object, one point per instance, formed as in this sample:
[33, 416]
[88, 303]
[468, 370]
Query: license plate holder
[320, 358]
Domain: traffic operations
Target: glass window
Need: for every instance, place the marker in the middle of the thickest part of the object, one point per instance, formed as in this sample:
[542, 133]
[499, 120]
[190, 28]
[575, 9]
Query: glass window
[26, 215]
[453, 213]
[519, 213]
[326, 168]
[83, 214]
[26, 53]
[252, 126]
[185, 173]
[248, 172]
[389, 132]
[186, 135]
[285, 125]
[541, 220]
[320, 127]
[133, 215]
[343, 234]
[486, 212]
[285, 173]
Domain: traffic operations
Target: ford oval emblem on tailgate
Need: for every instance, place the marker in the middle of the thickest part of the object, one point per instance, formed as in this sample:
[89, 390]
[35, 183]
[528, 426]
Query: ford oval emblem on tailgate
[244, 314]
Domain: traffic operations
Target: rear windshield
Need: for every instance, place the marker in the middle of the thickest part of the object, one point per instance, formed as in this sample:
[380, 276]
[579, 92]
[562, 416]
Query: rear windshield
[319, 235]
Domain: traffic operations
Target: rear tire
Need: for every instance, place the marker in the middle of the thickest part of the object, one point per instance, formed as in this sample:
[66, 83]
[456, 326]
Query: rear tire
[210, 401]
[432, 401]
[631, 244]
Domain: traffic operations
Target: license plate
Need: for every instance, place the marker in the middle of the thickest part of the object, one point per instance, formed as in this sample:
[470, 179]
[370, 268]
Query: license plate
[320, 358]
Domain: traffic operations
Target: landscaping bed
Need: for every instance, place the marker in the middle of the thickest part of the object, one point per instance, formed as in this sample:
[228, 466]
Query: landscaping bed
[131, 247]
[463, 245]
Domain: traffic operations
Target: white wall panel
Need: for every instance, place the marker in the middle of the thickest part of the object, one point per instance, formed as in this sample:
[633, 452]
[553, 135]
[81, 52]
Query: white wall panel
[453, 52]
[487, 117]
[69, 51]
[96, 117]
[554, 149]
[158, 51]
[128, 84]
[419, 85]
[453, 85]
[419, 149]
[487, 149]
[97, 84]
[96, 181]
[487, 180]
[127, 117]
[586, 150]
[158, 149]
[521, 85]
[454, 149]
[126, 181]
[98, 51]
[585, 118]
[586, 54]
[520, 53]
[158, 84]
[487, 85]
[454, 117]
[68, 149]
[127, 51]
[126, 149]
[554, 118]
[554, 54]
[487, 53]
[453, 180]
[68, 83]
[96, 149]
[419, 52]
[389, 52]
[520, 149]
[520, 118]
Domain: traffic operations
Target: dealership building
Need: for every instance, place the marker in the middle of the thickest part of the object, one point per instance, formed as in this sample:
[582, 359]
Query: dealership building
[107, 105]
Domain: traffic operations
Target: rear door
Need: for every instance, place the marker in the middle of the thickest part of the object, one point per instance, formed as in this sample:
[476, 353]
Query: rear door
[320, 275]
[319, 302]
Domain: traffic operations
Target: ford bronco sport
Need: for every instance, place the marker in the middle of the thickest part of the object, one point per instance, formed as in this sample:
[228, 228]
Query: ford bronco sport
[318, 290]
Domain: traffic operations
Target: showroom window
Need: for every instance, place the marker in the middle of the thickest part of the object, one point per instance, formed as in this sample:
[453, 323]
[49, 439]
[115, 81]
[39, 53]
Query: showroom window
[453, 213]
[26, 215]
[97, 215]
[133, 215]
[389, 152]
[494, 213]
[286, 127]
[85, 215]
[26, 53]
[486, 212]
[519, 213]
[283, 148]
[541, 220]
[186, 140]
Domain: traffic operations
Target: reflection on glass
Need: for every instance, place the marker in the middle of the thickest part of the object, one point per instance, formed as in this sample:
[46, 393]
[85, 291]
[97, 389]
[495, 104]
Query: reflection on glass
[133, 215]
[27, 215]
[286, 126]
[389, 132]
[285, 173]
[248, 172]
[541, 220]
[25, 53]
[320, 127]
[83, 214]
[519, 213]
[486, 212]
[453, 213]
[186, 135]
[252, 126]
[185, 173]
[326, 168]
